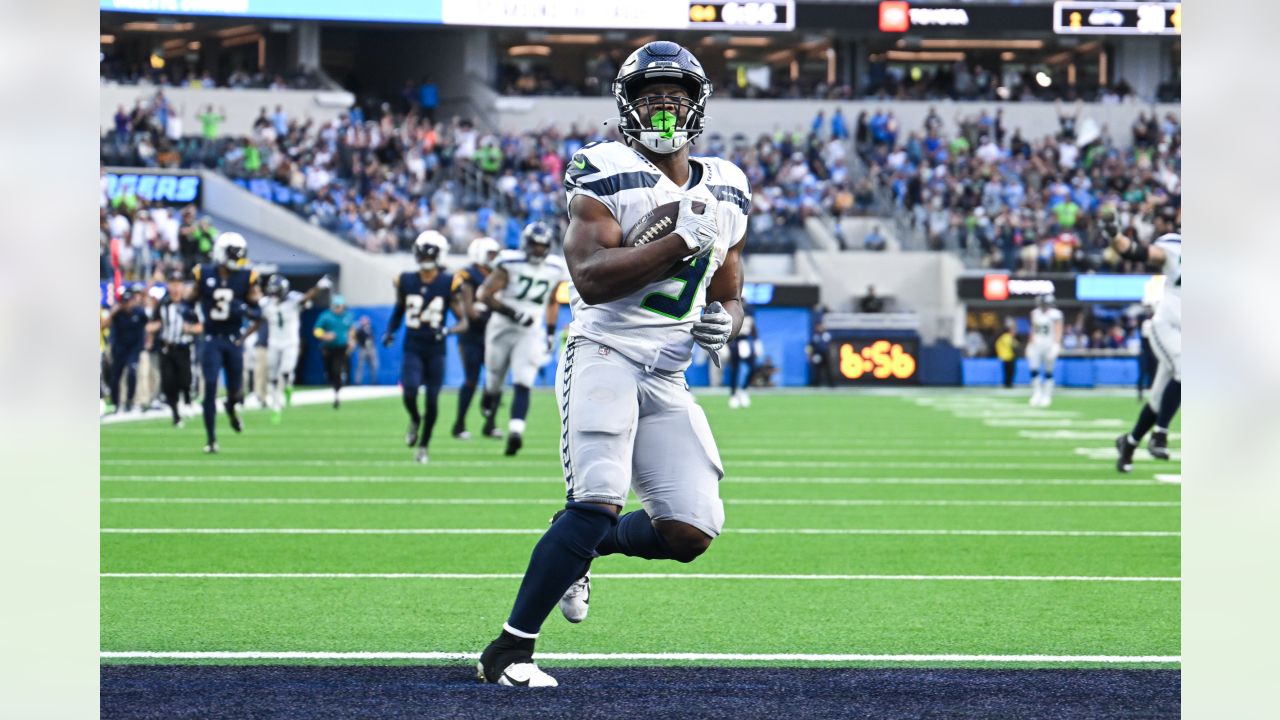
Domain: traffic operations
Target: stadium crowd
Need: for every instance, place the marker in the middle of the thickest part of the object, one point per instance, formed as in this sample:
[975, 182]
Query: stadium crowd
[378, 183]
[1026, 204]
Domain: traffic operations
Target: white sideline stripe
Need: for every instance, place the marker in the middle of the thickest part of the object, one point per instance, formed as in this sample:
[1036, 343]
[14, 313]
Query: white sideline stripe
[301, 397]
[523, 480]
[646, 576]
[553, 501]
[1174, 479]
[723, 657]
[539, 531]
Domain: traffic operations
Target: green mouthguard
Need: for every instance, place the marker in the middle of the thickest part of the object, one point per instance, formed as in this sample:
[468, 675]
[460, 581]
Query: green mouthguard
[664, 121]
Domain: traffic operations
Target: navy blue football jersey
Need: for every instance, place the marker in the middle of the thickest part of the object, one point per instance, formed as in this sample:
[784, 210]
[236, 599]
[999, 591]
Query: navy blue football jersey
[425, 306]
[473, 276]
[223, 301]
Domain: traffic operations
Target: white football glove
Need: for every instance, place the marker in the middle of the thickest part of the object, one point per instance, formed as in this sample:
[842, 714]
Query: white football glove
[699, 231]
[524, 319]
[324, 283]
[713, 328]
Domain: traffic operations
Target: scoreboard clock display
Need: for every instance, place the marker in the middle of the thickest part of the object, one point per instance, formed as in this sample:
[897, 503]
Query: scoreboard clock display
[718, 15]
[876, 361]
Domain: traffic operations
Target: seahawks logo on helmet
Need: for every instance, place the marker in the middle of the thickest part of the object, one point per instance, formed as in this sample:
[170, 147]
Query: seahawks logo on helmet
[649, 119]
[429, 249]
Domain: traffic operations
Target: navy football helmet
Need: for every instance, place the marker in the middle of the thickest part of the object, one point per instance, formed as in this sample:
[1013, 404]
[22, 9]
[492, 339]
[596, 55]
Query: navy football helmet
[278, 286]
[662, 123]
[536, 240]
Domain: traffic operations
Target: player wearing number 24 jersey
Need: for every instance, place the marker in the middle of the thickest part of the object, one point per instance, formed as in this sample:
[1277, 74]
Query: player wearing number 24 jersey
[227, 292]
[423, 297]
[628, 420]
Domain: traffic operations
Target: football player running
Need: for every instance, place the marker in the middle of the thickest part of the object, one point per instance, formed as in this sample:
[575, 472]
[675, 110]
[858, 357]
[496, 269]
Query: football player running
[282, 312]
[1165, 254]
[422, 299]
[521, 292]
[629, 421]
[227, 293]
[483, 252]
[1043, 349]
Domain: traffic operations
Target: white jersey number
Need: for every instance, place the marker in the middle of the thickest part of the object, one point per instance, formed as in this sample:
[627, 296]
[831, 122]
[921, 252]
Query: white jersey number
[221, 309]
[415, 315]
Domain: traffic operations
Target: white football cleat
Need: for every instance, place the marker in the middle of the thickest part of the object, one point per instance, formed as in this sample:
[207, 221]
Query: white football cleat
[520, 674]
[421, 456]
[576, 600]
[745, 400]
[734, 403]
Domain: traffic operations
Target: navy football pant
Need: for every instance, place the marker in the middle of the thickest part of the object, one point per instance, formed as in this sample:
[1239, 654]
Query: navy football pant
[420, 368]
[220, 353]
[472, 363]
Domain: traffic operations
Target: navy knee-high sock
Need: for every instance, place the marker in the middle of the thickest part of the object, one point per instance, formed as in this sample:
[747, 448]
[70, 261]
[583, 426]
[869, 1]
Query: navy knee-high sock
[520, 403]
[465, 393]
[429, 423]
[209, 411]
[1169, 404]
[636, 536]
[559, 558]
[411, 404]
[1146, 419]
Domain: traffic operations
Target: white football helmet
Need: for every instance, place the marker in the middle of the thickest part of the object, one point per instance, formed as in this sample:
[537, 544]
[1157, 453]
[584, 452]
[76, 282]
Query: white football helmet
[430, 249]
[230, 250]
[483, 251]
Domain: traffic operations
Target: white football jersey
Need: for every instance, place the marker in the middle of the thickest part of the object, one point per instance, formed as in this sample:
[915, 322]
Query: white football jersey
[283, 318]
[529, 285]
[651, 326]
[1042, 322]
[1170, 307]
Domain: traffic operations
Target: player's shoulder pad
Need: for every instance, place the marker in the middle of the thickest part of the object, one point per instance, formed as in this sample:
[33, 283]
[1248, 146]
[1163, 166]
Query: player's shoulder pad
[1170, 240]
[606, 168]
[728, 183]
[557, 262]
[253, 277]
[510, 257]
[195, 271]
[459, 279]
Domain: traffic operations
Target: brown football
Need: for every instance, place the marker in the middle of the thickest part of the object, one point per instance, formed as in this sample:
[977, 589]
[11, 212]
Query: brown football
[656, 224]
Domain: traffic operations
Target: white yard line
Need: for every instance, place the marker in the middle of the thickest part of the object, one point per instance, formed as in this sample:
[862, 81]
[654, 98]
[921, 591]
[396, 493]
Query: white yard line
[733, 531]
[804, 502]
[733, 463]
[647, 576]
[539, 480]
[1172, 479]
[675, 656]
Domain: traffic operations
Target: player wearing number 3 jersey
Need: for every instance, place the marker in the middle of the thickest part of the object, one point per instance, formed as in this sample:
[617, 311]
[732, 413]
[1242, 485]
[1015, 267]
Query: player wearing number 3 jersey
[422, 299]
[628, 420]
[227, 292]
[521, 292]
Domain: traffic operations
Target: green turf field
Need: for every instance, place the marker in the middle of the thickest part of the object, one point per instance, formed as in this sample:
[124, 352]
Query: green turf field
[961, 526]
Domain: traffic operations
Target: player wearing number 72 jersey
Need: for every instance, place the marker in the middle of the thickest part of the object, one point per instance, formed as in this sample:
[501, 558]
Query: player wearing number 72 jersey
[422, 299]
[521, 333]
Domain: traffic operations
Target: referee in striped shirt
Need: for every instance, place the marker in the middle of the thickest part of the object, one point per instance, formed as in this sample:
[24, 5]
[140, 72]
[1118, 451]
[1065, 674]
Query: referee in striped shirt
[174, 323]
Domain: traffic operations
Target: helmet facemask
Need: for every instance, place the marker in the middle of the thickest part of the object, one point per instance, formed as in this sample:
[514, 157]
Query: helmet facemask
[663, 123]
